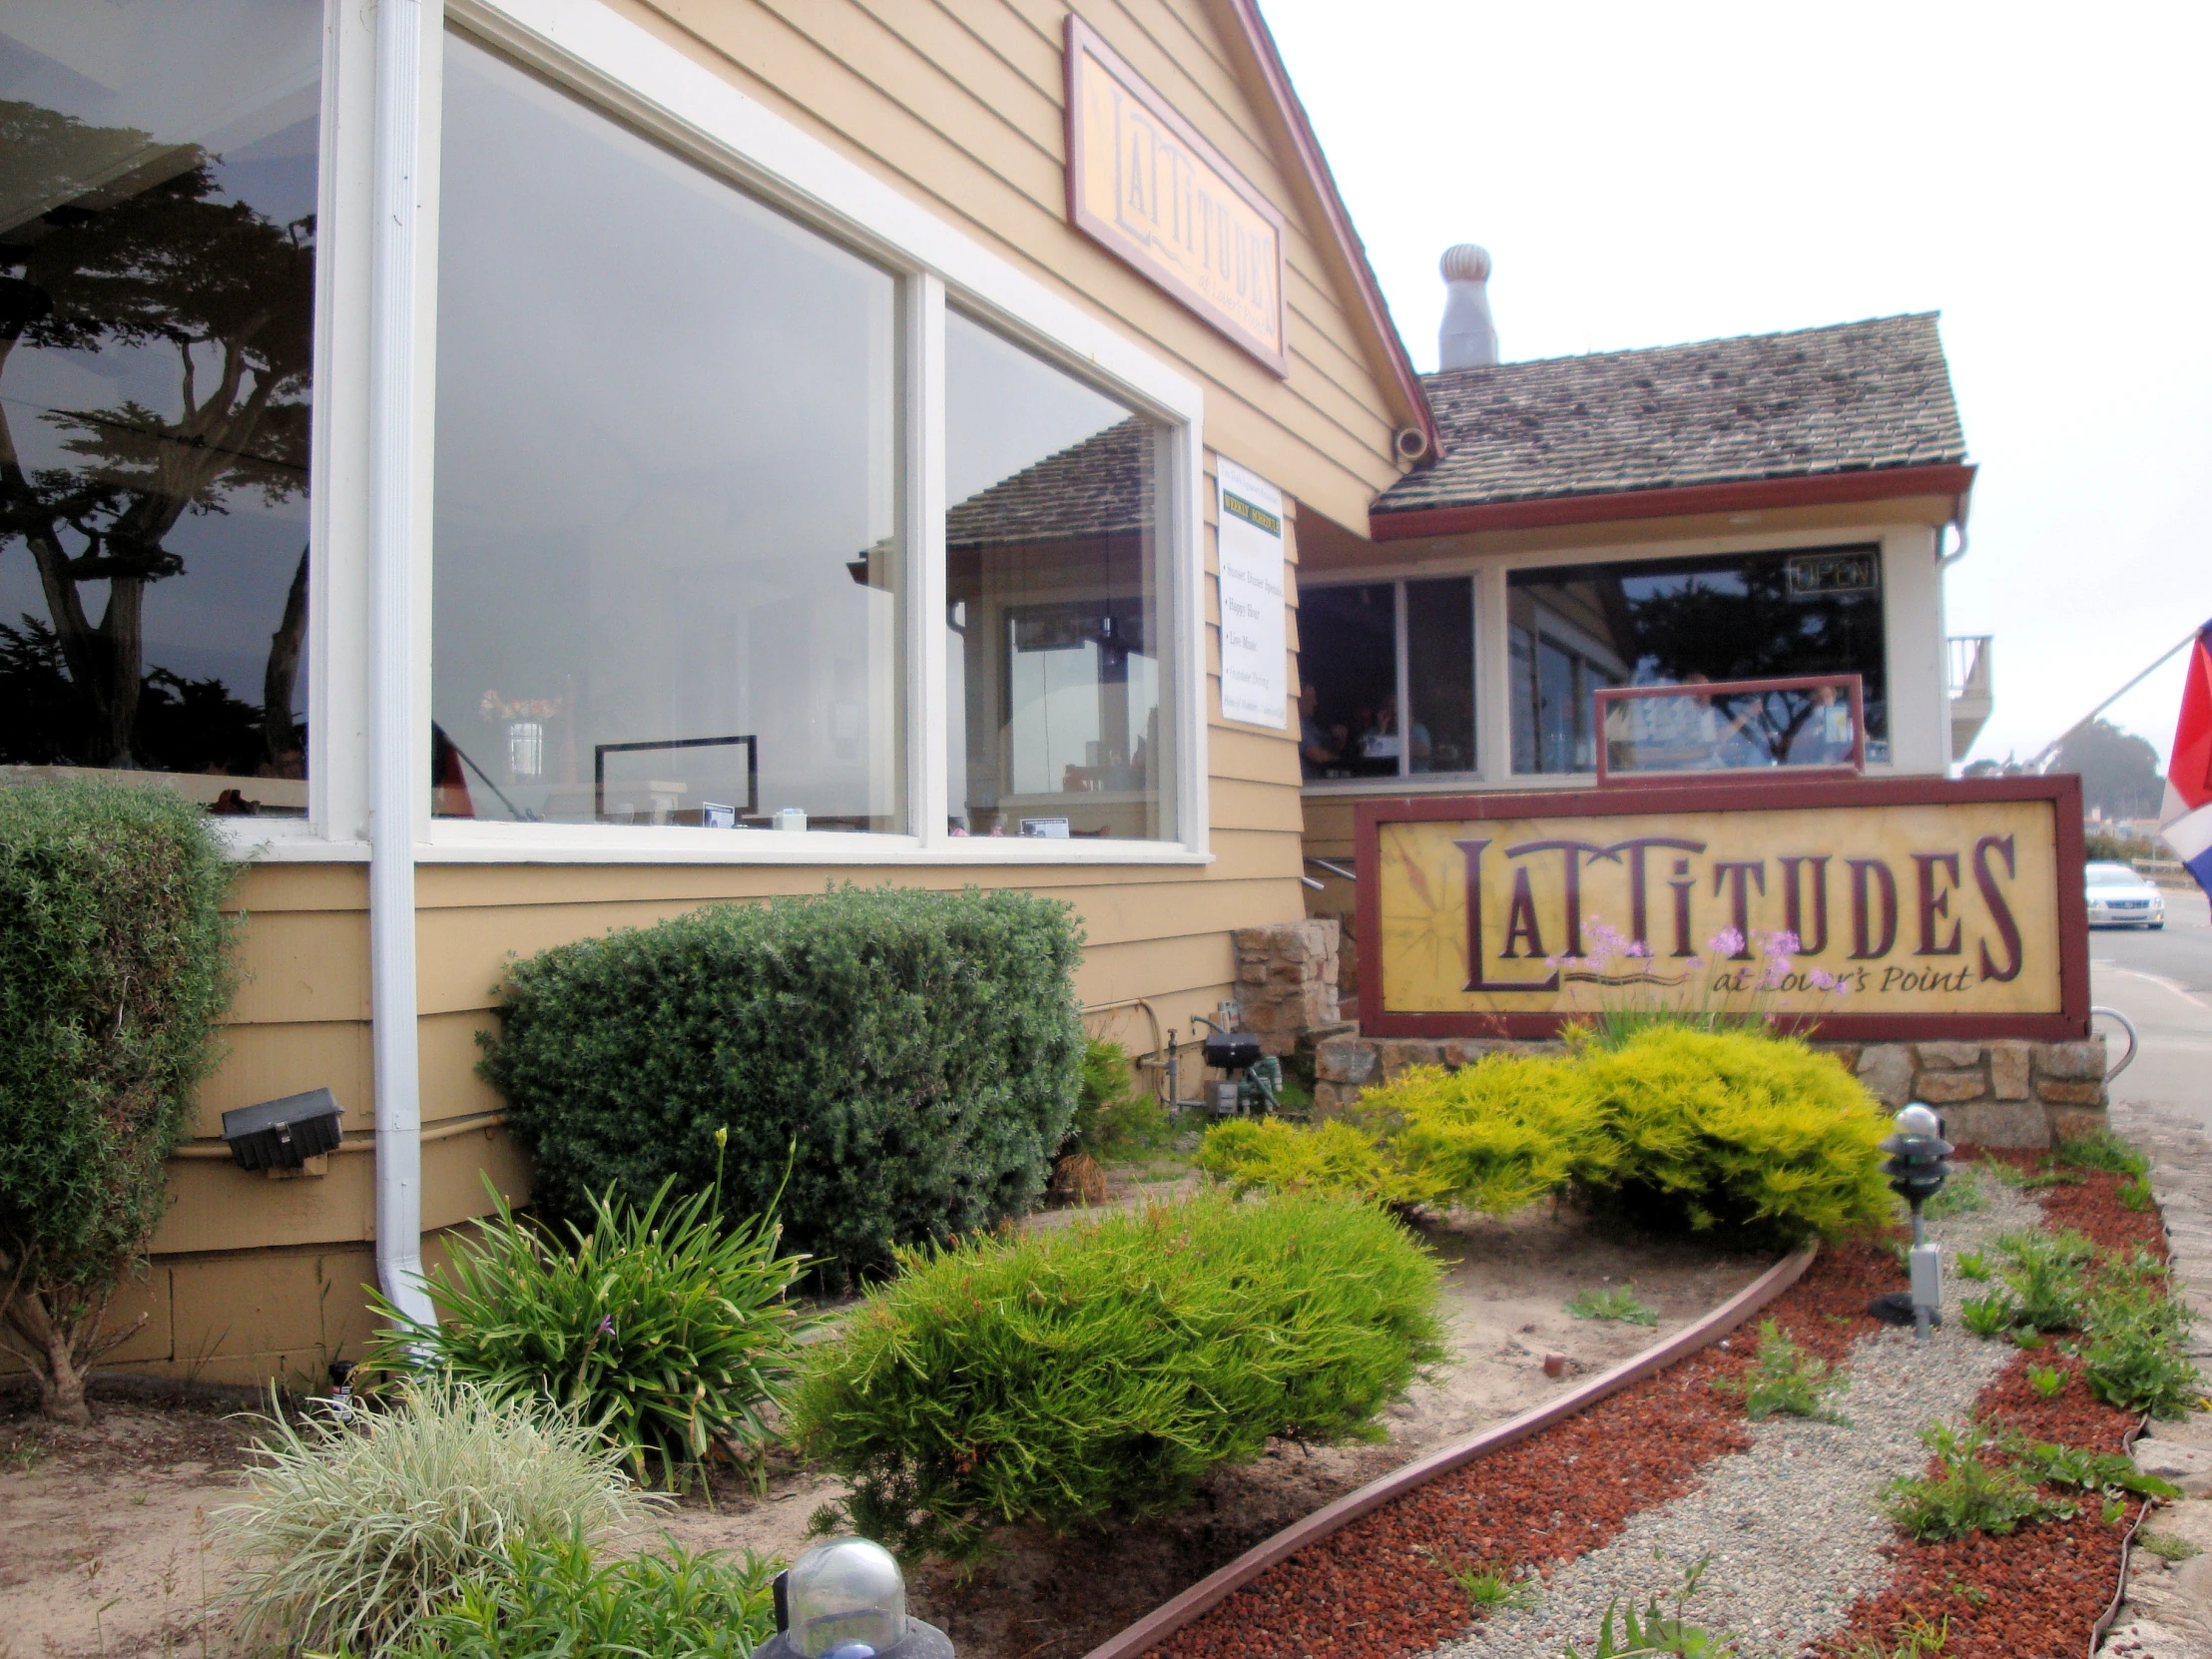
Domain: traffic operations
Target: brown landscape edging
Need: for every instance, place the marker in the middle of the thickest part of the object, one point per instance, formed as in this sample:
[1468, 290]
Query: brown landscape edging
[1215, 1588]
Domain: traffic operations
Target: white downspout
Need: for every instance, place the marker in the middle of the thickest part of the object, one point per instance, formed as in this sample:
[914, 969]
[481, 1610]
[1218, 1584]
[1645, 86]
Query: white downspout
[392, 717]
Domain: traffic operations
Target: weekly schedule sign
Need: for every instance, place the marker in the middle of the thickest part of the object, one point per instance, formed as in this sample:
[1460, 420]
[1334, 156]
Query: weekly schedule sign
[1252, 634]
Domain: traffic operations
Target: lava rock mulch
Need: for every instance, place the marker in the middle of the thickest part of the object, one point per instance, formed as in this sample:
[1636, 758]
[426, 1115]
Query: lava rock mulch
[2041, 1590]
[1378, 1588]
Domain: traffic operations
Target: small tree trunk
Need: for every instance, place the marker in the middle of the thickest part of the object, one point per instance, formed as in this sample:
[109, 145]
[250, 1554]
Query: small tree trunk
[61, 1385]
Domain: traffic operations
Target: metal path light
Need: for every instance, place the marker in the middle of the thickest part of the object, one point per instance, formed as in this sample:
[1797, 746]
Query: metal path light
[845, 1599]
[1916, 1173]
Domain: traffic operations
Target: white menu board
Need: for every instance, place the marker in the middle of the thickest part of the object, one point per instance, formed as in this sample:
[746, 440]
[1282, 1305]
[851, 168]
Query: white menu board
[1252, 632]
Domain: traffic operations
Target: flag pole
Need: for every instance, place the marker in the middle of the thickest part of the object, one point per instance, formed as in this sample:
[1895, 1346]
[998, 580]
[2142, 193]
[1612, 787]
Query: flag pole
[2051, 748]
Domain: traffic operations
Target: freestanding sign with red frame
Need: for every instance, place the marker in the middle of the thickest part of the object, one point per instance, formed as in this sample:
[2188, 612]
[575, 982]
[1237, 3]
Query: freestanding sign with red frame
[1918, 907]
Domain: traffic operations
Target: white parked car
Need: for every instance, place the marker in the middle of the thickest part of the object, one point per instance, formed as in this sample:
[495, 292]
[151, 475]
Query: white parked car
[2119, 897]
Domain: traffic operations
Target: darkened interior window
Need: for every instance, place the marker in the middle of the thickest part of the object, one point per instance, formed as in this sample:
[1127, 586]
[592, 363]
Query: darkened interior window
[667, 557]
[1760, 616]
[1055, 649]
[1348, 680]
[157, 306]
[1356, 720]
[1439, 674]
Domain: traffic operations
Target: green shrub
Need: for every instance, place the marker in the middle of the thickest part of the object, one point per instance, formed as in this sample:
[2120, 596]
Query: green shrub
[555, 1601]
[1961, 1195]
[658, 1326]
[1989, 1315]
[114, 967]
[355, 1532]
[1332, 1158]
[921, 1050]
[1758, 1137]
[1107, 1366]
[1113, 1116]
[1785, 1379]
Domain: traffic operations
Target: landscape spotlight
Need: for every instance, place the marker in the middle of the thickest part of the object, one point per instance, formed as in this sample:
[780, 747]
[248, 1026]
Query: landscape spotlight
[1916, 1173]
[845, 1599]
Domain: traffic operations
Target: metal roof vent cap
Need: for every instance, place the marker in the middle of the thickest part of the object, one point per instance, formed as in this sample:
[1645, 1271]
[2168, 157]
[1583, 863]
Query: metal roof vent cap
[1468, 338]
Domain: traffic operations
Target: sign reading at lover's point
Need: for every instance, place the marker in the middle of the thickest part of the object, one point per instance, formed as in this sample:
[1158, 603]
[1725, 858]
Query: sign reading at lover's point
[1916, 907]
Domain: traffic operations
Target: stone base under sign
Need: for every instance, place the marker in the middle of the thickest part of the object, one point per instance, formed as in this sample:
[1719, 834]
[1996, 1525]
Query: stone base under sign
[1998, 1093]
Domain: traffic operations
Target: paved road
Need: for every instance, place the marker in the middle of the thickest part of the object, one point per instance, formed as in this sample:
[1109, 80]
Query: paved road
[2163, 982]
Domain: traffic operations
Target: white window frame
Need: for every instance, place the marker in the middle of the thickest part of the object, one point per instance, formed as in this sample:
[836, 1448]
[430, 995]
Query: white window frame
[1911, 629]
[636, 77]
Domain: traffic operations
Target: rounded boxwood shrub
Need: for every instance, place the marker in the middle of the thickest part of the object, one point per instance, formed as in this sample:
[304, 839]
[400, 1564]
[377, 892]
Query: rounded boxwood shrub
[1106, 1366]
[115, 969]
[892, 1066]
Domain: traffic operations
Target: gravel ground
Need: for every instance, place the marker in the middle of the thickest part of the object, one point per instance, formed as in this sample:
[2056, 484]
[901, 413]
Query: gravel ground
[1791, 1524]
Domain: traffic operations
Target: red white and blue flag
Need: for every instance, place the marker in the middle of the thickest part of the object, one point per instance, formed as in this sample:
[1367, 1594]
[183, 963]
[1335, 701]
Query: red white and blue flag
[2186, 822]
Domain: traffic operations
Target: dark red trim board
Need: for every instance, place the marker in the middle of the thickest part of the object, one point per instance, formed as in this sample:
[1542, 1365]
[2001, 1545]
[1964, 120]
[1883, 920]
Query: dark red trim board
[2070, 1019]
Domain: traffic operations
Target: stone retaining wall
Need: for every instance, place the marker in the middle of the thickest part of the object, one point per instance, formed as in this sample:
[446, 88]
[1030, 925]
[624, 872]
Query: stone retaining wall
[1998, 1093]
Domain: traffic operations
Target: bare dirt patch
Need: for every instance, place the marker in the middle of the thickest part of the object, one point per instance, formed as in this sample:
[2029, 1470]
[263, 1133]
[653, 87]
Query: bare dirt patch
[104, 1544]
[102, 1532]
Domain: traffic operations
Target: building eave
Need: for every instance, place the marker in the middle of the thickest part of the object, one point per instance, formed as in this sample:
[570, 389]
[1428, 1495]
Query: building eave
[1736, 495]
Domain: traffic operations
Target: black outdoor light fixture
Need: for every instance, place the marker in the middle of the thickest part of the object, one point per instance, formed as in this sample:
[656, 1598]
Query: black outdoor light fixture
[845, 1599]
[282, 1134]
[1916, 1172]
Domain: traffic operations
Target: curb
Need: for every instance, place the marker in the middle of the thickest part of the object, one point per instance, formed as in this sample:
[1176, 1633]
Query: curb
[1210, 1591]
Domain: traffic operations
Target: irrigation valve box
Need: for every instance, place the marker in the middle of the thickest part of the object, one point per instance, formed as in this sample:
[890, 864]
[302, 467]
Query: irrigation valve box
[282, 1134]
[1927, 1276]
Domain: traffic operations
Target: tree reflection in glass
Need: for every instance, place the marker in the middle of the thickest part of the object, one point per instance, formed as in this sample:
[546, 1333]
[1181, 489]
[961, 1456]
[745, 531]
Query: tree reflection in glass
[157, 296]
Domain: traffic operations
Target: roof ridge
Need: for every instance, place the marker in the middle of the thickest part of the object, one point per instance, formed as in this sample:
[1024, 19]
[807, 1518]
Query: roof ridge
[1687, 344]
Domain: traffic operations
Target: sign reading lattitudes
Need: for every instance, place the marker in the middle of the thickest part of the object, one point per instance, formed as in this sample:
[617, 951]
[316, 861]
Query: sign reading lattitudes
[1918, 907]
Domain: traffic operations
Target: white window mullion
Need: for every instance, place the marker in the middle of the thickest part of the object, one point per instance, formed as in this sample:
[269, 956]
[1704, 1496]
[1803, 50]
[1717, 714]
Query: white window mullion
[929, 785]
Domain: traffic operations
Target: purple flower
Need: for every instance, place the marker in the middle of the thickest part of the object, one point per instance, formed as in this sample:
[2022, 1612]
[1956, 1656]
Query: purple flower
[607, 1325]
[1783, 944]
[1822, 981]
[1726, 943]
[1639, 950]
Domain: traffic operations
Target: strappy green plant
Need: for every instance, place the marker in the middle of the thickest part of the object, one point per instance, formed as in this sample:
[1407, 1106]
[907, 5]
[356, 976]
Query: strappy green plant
[670, 1333]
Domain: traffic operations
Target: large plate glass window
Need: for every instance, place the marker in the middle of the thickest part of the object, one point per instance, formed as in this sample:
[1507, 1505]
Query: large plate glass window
[157, 316]
[1359, 716]
[1056, 655]
[1759, 615]
[668, 562]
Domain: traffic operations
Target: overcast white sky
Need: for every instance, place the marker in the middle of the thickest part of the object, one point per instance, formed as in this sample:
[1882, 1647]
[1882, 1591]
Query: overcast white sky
[1645, 173]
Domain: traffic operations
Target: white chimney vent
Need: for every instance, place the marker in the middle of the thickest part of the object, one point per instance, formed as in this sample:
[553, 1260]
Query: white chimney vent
[1468, 338]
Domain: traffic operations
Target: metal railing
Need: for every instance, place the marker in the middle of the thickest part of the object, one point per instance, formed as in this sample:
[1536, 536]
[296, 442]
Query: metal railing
[1969, 665]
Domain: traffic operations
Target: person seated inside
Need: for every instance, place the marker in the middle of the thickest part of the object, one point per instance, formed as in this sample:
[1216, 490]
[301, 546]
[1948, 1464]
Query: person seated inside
[1825, 740]
[1318, 749]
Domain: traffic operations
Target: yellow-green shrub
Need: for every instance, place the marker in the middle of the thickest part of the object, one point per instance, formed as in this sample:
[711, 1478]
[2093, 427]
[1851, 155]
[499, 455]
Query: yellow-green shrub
[1754, 1135]
[1499, 1135]
[1334, 1159]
